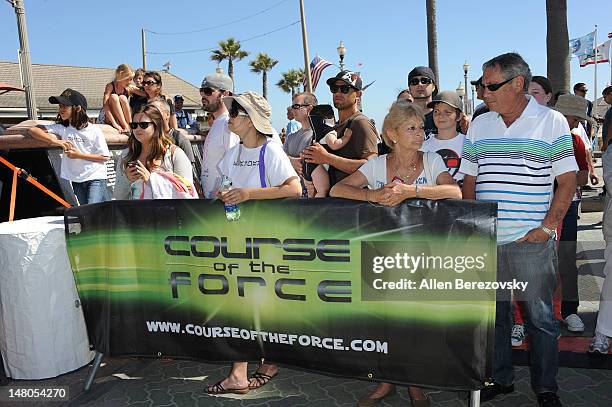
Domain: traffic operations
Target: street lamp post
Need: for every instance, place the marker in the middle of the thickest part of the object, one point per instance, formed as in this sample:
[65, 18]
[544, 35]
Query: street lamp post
[461, 92]
[341, 53]
[25, 64]
[466, 67]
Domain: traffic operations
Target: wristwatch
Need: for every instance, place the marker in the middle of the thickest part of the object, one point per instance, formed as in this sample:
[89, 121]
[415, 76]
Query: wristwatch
[552, 233]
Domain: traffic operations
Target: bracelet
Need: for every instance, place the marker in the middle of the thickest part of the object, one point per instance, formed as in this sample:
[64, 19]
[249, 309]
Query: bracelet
[366, 191]
[416, 191]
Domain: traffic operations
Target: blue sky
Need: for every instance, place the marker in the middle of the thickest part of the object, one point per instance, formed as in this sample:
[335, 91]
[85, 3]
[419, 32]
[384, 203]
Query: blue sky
[387, 38]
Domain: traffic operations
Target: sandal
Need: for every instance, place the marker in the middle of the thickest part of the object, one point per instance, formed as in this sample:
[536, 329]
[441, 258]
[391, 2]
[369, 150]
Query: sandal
[259, 380]
[217, 389]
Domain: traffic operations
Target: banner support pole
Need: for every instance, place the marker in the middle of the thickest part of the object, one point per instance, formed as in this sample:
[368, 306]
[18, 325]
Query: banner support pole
[475, 398]
[94, 370]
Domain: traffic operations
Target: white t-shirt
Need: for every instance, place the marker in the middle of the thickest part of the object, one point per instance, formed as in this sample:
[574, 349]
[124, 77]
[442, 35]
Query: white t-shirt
[89, 140]
[516, 166]
[580, 131]
[450, 151]
[218, 141]
[245, 174]
[375, 171]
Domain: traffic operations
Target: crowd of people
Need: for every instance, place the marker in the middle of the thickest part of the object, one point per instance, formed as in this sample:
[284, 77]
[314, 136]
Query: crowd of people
[525, 148]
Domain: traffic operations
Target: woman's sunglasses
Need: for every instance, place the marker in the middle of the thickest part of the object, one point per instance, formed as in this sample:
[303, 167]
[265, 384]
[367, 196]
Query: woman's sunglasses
[236, 111]
[297, 106]
[342, 88]
[422, 81]
[142, 125]
[150, 83]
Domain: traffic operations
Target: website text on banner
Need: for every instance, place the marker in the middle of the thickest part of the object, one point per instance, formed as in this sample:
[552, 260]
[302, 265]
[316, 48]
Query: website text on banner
[395, 294]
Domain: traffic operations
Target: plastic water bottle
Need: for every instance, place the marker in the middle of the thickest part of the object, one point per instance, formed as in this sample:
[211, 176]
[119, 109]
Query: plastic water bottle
[232, 212]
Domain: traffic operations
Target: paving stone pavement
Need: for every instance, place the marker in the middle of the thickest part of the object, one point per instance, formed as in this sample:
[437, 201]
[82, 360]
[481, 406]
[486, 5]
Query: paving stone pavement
[154, 382]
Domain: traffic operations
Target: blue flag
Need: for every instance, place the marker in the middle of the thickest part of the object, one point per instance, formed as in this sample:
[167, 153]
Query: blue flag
[583, 45]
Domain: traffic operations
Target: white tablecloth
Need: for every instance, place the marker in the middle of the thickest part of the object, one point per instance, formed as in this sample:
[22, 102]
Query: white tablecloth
[42, 330]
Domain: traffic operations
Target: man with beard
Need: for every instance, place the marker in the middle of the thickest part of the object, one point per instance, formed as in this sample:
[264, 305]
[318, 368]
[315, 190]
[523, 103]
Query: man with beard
[219, 138]
[422, 84]
[346, 87]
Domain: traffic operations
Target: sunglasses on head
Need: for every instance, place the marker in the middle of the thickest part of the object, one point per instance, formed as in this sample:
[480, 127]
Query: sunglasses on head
[206, 91]
[422, 81]
[342, 88]
[297, 106]
[496, 86]
[142, 125]
[149, 83]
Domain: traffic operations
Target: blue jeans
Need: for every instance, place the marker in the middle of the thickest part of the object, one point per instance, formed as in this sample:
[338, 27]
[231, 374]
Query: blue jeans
[567, 261]
[92, 191]
[534, 263]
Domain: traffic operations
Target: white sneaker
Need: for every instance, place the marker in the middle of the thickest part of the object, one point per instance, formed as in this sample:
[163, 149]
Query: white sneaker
[518, 335]
[574, 323]
[600, 344]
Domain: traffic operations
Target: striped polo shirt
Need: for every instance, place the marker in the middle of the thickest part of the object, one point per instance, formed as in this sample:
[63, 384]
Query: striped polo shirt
[516, 166]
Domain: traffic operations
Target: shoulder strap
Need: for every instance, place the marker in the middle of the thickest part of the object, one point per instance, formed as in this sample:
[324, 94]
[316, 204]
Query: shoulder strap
[428, 175]
[262, 165]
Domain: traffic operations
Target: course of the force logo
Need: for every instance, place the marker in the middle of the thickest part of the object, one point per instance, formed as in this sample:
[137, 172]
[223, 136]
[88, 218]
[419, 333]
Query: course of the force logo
[230, 273]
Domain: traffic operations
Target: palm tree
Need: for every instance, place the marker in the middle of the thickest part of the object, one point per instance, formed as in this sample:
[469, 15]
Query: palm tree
[432, 38]
[557, 45]
[262, 64]
[292, 79]
[229, 49]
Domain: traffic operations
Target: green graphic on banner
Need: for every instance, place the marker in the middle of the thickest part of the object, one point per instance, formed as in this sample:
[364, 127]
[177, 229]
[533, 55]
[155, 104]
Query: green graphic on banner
[312, 285]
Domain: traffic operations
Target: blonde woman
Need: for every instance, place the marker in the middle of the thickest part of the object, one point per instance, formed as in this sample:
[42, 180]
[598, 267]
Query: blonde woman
[116, 109]
[389, 179]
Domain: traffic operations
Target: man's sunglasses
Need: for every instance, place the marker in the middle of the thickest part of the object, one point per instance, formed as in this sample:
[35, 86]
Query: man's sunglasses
[142, 125]
[206, 91]
[422, 81]
[583, 90]
[149, 83]
[342, 88]
[297, 106]
[496, 86]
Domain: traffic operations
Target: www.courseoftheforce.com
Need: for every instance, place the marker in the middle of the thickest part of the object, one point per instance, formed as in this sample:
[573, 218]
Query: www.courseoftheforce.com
[356, 345]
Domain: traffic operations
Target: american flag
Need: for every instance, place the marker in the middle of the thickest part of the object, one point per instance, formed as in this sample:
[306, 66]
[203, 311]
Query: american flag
[317, 66]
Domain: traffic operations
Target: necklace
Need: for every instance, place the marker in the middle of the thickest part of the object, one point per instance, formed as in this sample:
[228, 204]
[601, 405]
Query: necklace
[411, 169]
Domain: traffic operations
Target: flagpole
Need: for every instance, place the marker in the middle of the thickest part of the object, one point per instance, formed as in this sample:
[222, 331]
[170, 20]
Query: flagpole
[305, 44]
[595, 85]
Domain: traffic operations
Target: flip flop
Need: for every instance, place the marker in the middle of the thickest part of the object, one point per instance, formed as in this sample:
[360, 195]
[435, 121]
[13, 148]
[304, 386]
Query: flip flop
[260, 380]
[217, 389]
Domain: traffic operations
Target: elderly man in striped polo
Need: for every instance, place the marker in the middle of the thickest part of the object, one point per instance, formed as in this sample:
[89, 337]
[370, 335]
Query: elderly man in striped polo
[513, 155]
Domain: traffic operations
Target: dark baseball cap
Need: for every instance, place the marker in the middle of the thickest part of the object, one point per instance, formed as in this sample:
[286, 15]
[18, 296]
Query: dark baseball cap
[350, 78]
[422, 71]
[179, 97]
[69, 97]
[477, 82]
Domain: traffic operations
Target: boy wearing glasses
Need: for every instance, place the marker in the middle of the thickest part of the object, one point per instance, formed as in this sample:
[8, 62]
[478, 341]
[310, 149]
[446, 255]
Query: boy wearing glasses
[219, 139]
[422, 84]
[346, 88]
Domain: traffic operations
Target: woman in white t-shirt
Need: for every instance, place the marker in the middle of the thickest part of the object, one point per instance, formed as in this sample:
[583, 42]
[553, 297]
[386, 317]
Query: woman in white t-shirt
[259, 169]
[404, 173]
[85, 149]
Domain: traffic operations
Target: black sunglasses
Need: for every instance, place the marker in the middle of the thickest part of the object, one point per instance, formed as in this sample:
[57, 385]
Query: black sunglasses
[297, 106]
[142, 125]
[206, 91]
[422, 81]
[236, 110]
[496, 86]
[149, 83]
[342, 88]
